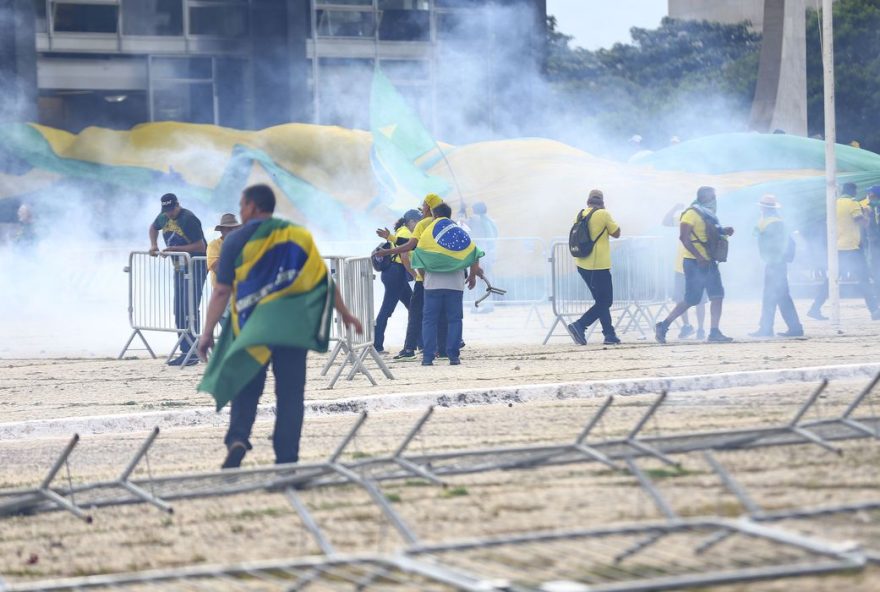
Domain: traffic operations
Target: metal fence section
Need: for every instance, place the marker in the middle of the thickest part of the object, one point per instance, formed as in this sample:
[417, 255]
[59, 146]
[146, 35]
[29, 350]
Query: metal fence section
[640, 273]
[670, 553]
[356, 279]
[204, 276]
[160, 297]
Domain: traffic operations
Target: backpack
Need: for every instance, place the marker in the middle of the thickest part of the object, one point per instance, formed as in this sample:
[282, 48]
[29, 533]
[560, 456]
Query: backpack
[579, 242]
[381, 263]
[716, 244]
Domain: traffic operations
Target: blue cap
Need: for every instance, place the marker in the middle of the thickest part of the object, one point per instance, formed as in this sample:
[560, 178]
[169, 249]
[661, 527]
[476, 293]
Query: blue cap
[875, 189]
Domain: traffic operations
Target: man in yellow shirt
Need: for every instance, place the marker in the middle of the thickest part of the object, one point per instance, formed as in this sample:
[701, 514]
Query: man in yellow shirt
[672, 219]
[228, 223]
[417, 302]
[701, 273]
[851, 259]
[595, 270]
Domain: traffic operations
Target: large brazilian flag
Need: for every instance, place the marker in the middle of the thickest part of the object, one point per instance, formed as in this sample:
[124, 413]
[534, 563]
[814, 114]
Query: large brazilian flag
[445, 246]
[282, 295]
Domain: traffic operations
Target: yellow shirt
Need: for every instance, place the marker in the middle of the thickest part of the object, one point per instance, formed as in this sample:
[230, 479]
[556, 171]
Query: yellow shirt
[402, 232]
[213, 254]
[693, 218]
[417, 234]
[849, 234]
[600, 257]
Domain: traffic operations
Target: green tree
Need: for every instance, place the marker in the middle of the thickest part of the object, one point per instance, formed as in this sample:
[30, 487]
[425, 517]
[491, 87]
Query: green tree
[683, 78]
[856, 72]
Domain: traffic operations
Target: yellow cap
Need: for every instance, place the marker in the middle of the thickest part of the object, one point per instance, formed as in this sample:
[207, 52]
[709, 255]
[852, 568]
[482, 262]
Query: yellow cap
[433, 200]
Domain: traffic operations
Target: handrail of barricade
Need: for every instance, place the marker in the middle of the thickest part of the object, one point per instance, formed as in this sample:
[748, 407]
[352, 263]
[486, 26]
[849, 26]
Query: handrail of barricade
[156, 299]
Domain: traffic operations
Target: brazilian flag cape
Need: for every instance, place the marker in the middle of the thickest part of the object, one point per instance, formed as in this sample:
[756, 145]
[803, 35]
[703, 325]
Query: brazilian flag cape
[445, 246]
[282, 295]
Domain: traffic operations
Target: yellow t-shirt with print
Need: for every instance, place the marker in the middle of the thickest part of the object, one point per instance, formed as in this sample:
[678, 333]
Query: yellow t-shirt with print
[417, 234]
[849, 233]
[401, 233]
[693, 218]
[600, 256]
[213, 255]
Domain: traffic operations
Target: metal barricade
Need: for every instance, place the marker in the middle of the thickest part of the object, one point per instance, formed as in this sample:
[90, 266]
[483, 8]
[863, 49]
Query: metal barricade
[204, 277]
[639, 273]
[160, 298]
[355, 278]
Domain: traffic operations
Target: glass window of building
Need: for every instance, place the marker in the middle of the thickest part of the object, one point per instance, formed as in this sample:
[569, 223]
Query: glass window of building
[82, 17]
[216, 18]
[344, 2]
[346, 23]
[152, 17]
[404, 20]
[40, 16]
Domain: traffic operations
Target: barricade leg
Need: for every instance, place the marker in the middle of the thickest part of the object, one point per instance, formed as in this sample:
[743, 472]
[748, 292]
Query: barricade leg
[136, 332]
[340, 347]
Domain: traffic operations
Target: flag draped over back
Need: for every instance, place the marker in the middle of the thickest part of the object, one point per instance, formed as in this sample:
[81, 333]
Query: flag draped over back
[445, 246]
[399, 140]
[282, 296]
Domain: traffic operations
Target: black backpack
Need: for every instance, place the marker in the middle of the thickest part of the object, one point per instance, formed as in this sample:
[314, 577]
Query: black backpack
[579, 242]
[381, 264]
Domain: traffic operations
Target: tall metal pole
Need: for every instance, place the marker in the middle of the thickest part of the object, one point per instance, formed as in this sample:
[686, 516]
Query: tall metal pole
[830, 161]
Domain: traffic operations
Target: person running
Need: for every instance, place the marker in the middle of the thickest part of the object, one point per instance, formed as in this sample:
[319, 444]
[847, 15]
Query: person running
[281, 293]
[700, 233]
[182, 233]
[672, 219]
[776, 249]
[851, 258]
[595, 270]
[397, 276]
[416, 304]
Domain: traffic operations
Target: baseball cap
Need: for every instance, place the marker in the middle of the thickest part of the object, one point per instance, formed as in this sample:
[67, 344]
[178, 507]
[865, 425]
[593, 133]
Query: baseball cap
[169, 202]
[433, 200]
[412, 216]
[227, 221]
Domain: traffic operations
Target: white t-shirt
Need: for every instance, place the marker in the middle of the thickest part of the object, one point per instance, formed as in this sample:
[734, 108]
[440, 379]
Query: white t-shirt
[444, 280]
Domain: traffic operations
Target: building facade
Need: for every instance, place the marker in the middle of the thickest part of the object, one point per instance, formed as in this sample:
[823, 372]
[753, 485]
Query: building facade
[256, 63]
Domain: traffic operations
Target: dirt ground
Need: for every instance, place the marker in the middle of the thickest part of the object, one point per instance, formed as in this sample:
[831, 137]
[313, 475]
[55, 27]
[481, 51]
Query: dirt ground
[264, 526]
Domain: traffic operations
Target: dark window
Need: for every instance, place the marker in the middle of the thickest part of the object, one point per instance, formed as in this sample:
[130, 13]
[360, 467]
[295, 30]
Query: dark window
[152, 17]
[345, 2]
[85, 18]
[181, 68]
[193, 103]
[346, 23]
[40, 14]
[218, 20]
[398, 24]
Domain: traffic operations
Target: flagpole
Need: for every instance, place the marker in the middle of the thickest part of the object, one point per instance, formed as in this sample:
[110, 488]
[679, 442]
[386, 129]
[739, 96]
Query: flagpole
[830, 161]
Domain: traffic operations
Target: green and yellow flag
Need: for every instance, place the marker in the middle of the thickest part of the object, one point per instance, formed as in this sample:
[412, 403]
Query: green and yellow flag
[445, 246]
[282, 296]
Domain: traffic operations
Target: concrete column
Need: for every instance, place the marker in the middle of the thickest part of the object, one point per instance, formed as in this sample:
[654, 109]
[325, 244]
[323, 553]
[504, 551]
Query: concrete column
[18, 61]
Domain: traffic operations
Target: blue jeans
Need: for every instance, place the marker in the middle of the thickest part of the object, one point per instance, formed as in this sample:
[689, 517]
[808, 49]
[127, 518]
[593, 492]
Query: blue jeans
[396, 290]
[289, 368]
[449, 302]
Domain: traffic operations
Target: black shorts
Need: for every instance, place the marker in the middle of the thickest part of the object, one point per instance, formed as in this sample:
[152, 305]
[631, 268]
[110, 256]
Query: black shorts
[678, 289]
[700, 279]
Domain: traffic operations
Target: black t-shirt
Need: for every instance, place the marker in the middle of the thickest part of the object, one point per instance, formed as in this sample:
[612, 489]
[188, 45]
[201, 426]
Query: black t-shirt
[232, 247]
[186, 229]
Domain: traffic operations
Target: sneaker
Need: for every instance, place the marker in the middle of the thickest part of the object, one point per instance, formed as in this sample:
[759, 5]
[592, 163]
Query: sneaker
[177, 361]
[760, 334]
[454, 361]
[716, 336]
[192, 361]
[815, 313]
[792, 333]
[405, 354]
[427, 362]
[461, 345]
[701, 334]
[660, 330]
[611, 340]
[576, 334]
[234, 456]
[686, 331]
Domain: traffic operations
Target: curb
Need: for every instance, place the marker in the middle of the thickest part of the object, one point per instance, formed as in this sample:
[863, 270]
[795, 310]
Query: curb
[108, 424]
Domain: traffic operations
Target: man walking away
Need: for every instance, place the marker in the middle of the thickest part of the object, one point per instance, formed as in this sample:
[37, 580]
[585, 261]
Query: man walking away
[445, 250]
[281, 296]
[700, 233]
[595, 270]
[672, 219]
[776, 249]
[851, 259]
[182, 233]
